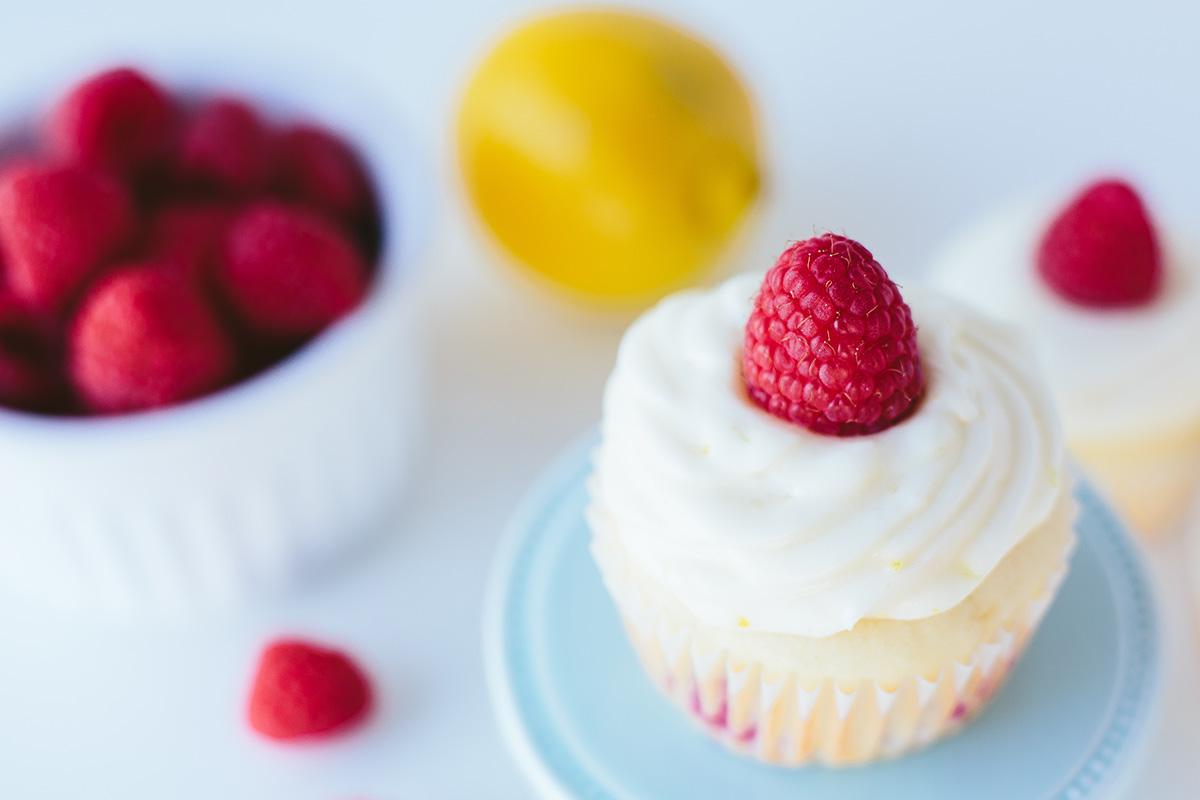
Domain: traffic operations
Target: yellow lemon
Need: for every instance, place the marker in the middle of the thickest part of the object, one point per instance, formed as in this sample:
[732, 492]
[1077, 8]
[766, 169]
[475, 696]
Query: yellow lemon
[609, 152]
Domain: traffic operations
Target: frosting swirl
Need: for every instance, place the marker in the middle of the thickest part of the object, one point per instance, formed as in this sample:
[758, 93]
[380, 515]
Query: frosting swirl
[1117, 374]
[755, 522]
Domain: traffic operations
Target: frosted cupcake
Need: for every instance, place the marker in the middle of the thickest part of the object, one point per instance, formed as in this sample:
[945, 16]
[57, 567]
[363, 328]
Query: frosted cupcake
[1113, 302]
[830, 524]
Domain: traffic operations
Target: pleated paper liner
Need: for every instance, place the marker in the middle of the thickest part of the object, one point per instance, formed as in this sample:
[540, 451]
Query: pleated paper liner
[780, 717]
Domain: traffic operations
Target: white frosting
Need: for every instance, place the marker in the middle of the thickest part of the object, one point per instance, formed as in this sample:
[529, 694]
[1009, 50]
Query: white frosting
[756, 522]
[1117, 374]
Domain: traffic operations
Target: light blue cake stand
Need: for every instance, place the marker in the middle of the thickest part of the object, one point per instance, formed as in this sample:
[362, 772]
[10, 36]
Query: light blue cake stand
[583, 721]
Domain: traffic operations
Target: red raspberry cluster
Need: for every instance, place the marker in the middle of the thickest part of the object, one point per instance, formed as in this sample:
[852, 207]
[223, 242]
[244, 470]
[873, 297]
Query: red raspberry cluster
[153, 250]
[830, 343]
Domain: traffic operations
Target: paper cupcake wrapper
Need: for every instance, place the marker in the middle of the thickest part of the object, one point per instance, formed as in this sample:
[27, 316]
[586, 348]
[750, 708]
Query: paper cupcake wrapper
[781, 718]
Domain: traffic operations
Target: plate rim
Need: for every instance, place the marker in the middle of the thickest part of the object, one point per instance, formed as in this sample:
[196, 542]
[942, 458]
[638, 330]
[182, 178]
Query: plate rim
[497, 673]
[1139, 615]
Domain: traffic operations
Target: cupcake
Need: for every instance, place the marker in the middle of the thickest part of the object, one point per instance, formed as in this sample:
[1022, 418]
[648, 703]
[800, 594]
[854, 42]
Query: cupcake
[1113, 301]
[830, 519]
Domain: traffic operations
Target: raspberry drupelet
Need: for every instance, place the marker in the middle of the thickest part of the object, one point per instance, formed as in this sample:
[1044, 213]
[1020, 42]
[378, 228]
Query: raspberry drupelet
[830, 343]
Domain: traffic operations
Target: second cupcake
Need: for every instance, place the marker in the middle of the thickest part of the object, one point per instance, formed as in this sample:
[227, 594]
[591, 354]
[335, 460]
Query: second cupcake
[1113, 301]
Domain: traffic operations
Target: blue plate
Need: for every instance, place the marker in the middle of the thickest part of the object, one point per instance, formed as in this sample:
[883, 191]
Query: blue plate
[584, 722]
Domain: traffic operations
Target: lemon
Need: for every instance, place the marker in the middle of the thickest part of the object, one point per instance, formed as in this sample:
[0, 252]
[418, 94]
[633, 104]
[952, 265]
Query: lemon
[608, 152]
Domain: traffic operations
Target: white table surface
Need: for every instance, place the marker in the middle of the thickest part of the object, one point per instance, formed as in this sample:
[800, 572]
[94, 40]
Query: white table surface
[894, 122]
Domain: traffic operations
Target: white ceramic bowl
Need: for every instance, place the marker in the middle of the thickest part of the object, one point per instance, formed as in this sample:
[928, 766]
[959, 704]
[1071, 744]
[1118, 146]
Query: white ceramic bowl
[245, 491]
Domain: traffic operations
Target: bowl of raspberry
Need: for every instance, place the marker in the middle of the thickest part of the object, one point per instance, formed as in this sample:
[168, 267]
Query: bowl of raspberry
[209, 384]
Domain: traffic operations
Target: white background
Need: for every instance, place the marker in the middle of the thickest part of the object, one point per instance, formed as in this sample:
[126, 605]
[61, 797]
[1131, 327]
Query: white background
[895, 122]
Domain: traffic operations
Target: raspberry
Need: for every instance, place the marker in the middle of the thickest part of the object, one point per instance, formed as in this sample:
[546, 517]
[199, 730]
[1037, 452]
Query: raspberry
[117, 120]
[57, 225]
[830, 343]
[226, 149]
[1102, 251]
[319, 170]
[188, 236]
[289, 273]
[29, 376]
[302, 689]
[144, 337]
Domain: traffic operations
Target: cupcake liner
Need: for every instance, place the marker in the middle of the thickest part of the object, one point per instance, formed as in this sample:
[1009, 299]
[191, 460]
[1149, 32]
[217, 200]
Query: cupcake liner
[780, 717]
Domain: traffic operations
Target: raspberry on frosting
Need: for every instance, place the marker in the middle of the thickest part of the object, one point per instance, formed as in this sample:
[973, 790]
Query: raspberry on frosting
[304, 689]
[830, 343]
[1102, 250]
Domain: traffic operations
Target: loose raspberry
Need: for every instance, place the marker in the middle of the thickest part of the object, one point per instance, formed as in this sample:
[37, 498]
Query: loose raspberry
[289, 273]
[226, 149]
[188, 236]
[1102, 250]
[144, 337]
[118, 120]
[302, 689]
[317, 169]
[57, 225]
[830, 343]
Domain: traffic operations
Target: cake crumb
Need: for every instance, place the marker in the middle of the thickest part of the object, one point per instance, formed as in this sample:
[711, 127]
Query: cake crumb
[743, 622]
[896, 566]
